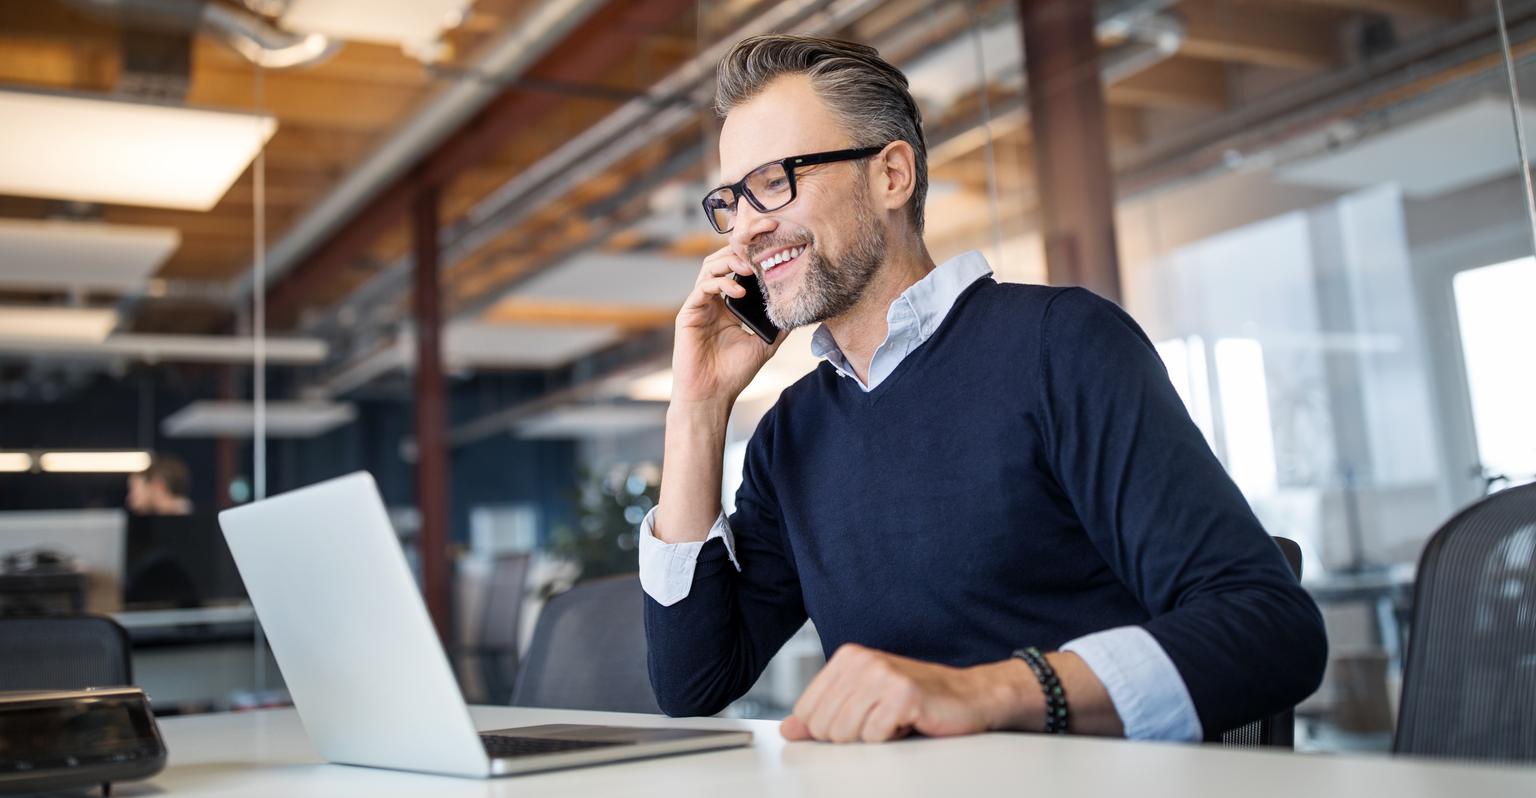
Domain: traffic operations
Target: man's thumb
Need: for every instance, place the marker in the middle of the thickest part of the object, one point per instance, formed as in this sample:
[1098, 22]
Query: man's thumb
[794, 729]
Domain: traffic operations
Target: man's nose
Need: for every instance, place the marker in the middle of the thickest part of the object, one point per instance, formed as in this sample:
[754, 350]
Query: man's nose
[750, 223]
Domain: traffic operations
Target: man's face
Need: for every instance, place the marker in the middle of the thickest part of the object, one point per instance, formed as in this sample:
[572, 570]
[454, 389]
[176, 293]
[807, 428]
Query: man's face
[833, 217]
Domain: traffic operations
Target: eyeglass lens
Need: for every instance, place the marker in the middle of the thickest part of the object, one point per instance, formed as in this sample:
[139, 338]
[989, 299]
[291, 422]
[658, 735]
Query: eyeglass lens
[767, 188]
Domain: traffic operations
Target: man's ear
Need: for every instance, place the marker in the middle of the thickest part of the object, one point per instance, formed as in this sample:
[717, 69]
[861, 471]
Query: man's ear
[896, 174]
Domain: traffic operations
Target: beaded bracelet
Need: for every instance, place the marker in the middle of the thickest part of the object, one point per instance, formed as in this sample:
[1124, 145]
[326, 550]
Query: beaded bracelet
[1056, 714]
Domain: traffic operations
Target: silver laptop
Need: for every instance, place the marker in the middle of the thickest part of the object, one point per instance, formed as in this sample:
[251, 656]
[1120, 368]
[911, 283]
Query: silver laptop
[332, 589]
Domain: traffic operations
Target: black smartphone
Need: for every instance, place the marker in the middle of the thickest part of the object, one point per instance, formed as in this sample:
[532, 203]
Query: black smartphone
[752, 309]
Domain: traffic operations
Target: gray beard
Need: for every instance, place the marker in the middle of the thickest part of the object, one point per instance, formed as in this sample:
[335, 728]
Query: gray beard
[830, 288]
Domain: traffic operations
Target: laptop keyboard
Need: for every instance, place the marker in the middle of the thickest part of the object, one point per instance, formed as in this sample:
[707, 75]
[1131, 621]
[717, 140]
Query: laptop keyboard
[503, 746]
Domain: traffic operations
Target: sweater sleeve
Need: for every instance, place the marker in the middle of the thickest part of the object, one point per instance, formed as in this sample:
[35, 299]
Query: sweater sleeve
[707, 649]
[1159, 507]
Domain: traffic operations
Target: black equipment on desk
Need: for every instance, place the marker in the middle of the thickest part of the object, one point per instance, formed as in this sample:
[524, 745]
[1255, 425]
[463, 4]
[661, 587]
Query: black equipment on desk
[69, 739]
[40, 582]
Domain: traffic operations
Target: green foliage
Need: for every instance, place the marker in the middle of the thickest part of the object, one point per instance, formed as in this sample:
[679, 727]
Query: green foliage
[610, 506]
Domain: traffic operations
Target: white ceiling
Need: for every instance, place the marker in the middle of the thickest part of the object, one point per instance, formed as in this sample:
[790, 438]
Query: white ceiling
[1436, 155]
[636, 280]
[56, 254]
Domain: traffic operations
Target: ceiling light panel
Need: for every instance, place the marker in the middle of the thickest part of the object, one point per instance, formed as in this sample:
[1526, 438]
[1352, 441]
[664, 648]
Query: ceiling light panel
[97, 149]
[57, 254]
[32, 324]
[94, 462]
[592, 421]
[383, 21]
[220, 419]
[482, 345]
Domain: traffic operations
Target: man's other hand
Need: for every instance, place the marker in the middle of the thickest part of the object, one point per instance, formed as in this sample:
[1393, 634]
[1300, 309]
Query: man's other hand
[871, 696]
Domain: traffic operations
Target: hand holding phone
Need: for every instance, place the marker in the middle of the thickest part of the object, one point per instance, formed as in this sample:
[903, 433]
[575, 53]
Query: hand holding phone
[716, 353]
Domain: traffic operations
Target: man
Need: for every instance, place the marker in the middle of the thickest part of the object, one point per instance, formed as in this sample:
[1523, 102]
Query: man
[978, 471]
[159, 562]
[161, 488]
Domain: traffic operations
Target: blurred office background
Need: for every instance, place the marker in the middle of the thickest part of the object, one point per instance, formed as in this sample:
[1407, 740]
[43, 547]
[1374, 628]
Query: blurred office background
[444, 240]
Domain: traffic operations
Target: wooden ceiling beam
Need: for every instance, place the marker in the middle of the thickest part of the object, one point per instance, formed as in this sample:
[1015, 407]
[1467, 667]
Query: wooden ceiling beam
[1259, 35]
[1180, 83]
[53, 21]
[58, 65]
[190, 223]
[523, 311]
[357, 62]
[306, 99]
[1435, 9]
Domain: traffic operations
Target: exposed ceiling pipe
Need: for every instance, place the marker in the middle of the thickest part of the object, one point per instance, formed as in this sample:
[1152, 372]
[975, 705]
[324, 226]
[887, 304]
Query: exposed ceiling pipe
[263, 44]
[523, 45]
[249, 35]
[267, 8]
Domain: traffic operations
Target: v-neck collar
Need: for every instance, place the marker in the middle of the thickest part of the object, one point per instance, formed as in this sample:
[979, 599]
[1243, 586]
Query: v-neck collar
[911, 319]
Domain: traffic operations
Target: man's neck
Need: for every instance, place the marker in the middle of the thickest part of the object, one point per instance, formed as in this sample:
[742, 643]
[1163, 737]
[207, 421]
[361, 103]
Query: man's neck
[860, 331]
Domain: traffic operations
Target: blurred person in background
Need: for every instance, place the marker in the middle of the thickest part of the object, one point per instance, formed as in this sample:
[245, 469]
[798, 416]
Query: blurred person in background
[162, 488]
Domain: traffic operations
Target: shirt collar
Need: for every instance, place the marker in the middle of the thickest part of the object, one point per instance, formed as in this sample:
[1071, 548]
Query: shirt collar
[926, 301]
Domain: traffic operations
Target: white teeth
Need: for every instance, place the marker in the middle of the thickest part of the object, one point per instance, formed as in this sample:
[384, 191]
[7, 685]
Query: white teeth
[781, 257]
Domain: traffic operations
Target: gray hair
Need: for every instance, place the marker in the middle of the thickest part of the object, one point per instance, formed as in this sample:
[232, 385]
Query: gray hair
[868, 95]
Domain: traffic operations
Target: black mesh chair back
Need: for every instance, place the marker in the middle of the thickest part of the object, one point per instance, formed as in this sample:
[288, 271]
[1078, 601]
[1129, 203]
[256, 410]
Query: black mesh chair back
[1469, 685]
[63, 653]
[501, 626]
[1275, 731]
[588, 651]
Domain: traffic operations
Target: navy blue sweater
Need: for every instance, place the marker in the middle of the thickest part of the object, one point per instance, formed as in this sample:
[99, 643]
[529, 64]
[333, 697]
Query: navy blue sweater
[1025, 477]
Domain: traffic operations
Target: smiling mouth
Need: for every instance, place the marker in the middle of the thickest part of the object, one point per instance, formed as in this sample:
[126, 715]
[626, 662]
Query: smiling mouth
[783, 256]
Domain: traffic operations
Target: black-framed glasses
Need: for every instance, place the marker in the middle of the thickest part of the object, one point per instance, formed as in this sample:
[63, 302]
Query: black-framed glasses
[771, 186]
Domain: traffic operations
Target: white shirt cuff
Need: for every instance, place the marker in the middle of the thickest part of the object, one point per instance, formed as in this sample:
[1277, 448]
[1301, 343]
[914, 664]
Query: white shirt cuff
[666, 569]
[1143, 684]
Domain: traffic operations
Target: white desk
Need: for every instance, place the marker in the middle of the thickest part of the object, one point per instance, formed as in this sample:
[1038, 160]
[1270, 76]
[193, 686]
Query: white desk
[266, 754]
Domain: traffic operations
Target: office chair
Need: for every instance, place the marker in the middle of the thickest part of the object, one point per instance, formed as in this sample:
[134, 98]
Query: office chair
[63, 653]
[1469, 683]
[1275, 731]
[500, 627]
[588, 651]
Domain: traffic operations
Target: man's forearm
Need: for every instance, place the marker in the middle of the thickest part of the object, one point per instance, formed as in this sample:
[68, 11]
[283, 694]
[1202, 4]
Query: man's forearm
[692, 466]
[1092, 710]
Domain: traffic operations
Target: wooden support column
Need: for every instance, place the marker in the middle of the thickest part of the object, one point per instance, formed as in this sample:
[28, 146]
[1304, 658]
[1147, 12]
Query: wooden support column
[1071, 140]
[431, 412]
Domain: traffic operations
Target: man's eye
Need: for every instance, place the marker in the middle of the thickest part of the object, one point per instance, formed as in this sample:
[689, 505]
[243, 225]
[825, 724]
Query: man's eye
[777, 183]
